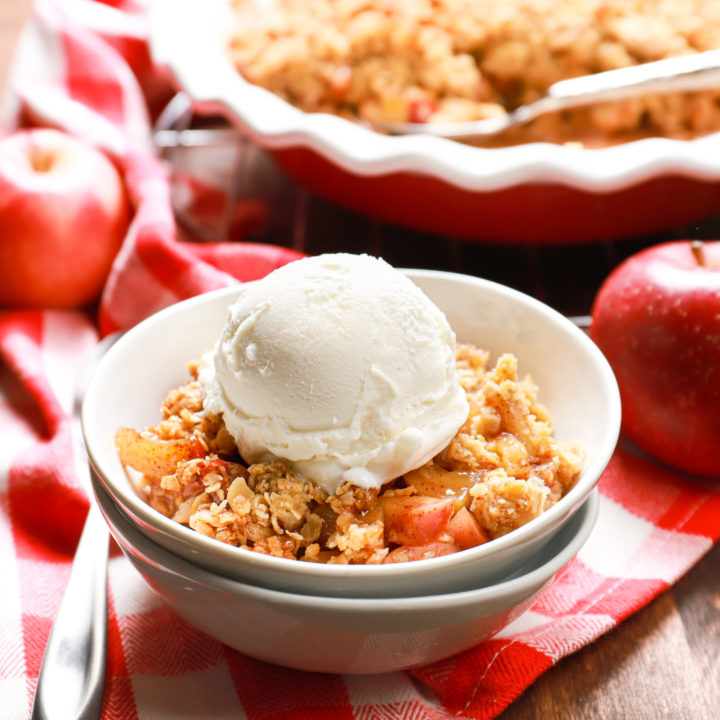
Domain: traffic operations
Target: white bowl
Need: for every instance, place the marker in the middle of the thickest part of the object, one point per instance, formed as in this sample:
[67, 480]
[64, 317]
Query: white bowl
[342, 635]
[575, 381]
[538, 192]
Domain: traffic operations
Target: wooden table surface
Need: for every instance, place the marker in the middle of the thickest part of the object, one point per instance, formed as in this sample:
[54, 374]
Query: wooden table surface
[663, 662]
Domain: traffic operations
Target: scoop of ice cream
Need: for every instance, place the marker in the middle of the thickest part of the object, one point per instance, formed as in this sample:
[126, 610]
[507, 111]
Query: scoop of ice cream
[339, 365]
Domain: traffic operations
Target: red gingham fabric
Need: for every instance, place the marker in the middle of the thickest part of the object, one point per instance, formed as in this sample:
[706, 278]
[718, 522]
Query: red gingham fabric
[84, 67]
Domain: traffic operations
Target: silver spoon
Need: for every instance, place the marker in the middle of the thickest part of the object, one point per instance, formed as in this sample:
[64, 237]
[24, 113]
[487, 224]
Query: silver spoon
[72, 675]
[684, 73]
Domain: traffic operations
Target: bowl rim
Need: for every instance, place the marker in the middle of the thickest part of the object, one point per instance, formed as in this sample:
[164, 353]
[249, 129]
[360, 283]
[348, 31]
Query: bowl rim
[239, 558]
[543, 571]
[208, 78]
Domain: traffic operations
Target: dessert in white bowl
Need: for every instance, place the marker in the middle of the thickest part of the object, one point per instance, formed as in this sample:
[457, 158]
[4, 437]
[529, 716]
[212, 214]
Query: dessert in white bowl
[572, 374]
[318, 633]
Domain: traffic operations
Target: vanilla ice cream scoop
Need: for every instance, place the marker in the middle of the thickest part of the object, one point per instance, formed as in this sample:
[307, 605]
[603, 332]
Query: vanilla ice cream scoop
[339, 365]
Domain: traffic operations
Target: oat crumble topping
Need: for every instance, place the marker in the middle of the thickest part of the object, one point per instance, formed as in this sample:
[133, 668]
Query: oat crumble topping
[455, 60]
[502, 469]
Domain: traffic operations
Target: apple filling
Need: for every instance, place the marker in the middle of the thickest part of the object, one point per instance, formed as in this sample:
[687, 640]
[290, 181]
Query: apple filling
[502, 469]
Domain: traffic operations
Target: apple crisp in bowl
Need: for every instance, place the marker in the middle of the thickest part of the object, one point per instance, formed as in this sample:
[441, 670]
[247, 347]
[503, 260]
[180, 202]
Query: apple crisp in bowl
[502, 487]
[340, 634]
[502, 469]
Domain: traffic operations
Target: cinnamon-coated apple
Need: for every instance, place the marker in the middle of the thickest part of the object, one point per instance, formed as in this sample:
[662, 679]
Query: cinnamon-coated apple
[657, 320]
[63, 216]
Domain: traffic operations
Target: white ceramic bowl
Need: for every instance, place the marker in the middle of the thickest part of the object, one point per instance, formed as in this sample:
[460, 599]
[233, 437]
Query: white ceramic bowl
[342, 635]
[538, 192]
[575, 381]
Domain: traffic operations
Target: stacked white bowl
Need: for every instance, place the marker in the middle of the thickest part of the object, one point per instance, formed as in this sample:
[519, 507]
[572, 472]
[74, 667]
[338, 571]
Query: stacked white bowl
[340, 618]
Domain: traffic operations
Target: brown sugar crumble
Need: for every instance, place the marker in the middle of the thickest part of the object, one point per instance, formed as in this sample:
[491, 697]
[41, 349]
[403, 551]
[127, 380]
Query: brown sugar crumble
[502, 469]
[457, 60]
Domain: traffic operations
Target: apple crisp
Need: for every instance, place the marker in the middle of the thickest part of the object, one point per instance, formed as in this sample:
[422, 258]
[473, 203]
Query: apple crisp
[502, 469]
[456, 60]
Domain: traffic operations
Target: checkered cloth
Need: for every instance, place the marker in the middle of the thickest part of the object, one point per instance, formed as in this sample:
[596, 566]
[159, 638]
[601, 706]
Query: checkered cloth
[84, 66]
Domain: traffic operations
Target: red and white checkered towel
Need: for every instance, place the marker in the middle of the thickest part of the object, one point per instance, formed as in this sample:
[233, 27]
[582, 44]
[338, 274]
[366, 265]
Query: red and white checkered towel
[84, 66]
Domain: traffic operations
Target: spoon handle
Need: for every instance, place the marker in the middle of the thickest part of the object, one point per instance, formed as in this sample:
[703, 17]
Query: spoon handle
[72, 675]
[685, 73]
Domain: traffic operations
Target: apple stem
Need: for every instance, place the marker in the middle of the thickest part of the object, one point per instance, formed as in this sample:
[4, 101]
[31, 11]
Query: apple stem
[697, 250]
[41, 159]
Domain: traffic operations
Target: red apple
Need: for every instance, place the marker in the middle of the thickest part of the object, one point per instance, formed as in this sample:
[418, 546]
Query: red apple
[657, 320]
[63, 215]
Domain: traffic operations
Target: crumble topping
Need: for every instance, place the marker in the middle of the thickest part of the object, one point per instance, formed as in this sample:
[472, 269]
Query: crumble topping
[502, 469]
[458, 60]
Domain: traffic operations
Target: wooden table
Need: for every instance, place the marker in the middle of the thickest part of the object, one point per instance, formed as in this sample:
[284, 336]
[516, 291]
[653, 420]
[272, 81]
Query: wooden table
[663, 662]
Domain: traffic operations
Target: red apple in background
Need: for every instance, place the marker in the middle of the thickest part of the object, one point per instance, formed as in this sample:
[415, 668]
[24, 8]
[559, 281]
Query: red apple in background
[63, 215]
[657, 320]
